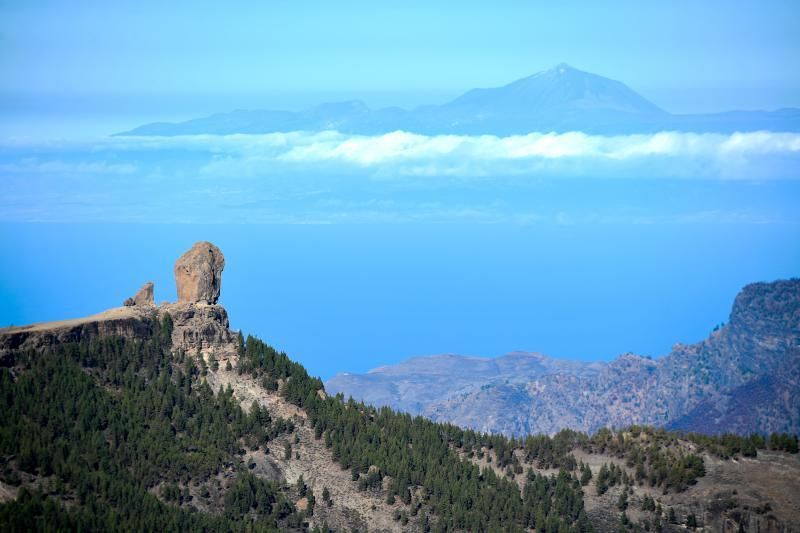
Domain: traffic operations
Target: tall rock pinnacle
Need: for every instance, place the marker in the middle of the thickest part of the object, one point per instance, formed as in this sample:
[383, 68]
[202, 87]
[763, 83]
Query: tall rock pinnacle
[198, 273]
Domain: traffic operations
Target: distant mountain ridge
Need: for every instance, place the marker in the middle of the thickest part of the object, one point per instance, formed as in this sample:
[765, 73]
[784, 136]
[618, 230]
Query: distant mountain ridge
[417, 383]
[556, 100]
[744, 378]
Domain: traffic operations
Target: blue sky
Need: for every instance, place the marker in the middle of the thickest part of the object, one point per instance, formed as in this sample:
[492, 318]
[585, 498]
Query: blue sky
[391, 46]
[350, 252]
[106, 65]
[351, 297]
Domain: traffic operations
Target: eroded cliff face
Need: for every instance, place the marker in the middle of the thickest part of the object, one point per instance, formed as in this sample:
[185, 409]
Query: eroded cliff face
[128, 322]
[744, 377]
[198, 321]
[197, 325]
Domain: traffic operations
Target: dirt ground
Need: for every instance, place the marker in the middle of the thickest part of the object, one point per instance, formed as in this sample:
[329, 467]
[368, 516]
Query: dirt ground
[351, 507]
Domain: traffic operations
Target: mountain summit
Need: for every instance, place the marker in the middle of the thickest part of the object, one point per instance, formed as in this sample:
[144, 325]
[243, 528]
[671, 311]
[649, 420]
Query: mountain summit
[559, 99]
[559, 89]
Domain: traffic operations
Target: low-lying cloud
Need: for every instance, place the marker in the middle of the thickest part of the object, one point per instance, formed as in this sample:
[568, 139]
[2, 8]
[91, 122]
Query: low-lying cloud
[756, 155]
[403, 146]
[330, 177]
[759, 155]
[58, 167]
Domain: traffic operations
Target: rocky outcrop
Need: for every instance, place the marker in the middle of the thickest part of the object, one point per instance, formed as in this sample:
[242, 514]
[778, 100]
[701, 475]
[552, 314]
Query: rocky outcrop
[198, 273]
[198, 325]
[143, 296]
[198, 322]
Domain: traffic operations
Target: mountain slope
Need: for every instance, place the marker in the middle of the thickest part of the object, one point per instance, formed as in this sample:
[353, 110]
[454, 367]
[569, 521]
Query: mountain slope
[559, 88]
[112, 423]
[559, 99]
[164, 419]
[743, 378]
[556, 100]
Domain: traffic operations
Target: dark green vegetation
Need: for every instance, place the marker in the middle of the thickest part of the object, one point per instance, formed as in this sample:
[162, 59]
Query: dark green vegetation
[731, 445]
[419, 457]
[111, 435]
[658, 458]
[104, 425]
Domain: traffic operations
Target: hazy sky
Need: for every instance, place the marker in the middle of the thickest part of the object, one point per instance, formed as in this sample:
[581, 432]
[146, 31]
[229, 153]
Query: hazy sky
[683, 54]
[352, 251]
[350, 297]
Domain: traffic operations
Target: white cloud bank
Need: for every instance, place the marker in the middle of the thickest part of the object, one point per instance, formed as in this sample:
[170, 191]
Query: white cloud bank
[329, 177]
[403, 146]
[756, 155]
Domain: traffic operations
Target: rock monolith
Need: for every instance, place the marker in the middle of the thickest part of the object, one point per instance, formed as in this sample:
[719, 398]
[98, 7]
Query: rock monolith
[198, 273]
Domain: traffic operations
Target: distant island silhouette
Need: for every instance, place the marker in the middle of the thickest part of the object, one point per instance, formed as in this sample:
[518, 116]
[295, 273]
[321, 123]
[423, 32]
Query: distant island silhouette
[560, 99]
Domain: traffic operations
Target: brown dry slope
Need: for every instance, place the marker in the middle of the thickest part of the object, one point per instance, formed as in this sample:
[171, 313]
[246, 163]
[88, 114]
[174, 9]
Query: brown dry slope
[762, 493]
[351, 507]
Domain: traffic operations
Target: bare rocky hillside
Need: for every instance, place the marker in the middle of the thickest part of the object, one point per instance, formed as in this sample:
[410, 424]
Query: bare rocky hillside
[745, 377]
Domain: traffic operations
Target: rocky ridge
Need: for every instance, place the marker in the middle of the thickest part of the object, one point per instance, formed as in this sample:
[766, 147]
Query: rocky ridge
[199, 322]
[745, 377]
[758, 492]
